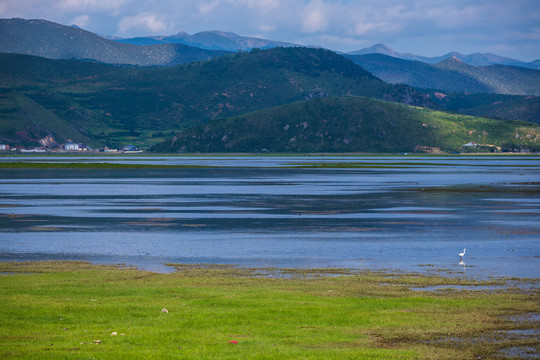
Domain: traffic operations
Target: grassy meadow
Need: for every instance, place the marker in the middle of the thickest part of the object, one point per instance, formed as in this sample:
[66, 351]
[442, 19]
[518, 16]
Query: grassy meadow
[75, 310]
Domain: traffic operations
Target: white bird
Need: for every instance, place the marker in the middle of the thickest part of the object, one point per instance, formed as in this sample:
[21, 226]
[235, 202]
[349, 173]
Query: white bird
[461, 255]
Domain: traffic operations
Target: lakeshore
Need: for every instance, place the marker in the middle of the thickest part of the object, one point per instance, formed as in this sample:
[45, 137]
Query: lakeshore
[53, 310]
[263, 257]
[404, 213]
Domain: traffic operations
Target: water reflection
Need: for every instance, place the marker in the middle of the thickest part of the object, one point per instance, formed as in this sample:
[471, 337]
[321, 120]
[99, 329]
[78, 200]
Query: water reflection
[462, 263]
[272, 214]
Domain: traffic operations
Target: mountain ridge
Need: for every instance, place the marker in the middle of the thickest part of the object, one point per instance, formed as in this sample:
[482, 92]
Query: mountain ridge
[210, 40]
[55, 41]
[452, 74]
[164, 51]
[475, 59]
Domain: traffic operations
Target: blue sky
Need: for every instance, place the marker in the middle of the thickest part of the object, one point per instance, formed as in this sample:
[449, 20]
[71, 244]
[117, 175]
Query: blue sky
[423, 27]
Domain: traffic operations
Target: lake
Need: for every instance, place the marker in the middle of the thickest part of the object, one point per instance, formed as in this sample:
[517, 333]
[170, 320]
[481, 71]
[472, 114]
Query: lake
[404, 213]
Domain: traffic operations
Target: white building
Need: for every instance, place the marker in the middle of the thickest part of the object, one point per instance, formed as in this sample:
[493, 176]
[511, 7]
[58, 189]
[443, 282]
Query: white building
[71, 147]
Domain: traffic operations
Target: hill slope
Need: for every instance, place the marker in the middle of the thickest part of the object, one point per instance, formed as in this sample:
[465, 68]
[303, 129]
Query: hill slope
[508, 107]
[346, 124]
[511, 80]
[103, 100]
[452, 75]
[54, 41]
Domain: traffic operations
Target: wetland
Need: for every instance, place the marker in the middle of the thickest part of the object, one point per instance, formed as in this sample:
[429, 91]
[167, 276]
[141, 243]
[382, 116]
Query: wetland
[264, 257]
[406, 213]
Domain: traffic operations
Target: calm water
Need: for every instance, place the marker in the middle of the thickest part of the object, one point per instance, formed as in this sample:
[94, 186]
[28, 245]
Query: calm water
[415, 215]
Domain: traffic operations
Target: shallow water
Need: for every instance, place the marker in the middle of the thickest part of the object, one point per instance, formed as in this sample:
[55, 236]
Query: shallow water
[264, 211]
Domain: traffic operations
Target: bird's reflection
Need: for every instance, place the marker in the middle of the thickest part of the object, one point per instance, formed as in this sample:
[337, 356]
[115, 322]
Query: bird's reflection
[462, 263]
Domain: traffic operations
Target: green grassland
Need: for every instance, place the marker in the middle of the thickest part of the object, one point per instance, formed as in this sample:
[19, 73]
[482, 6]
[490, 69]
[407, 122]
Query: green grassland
[52, 310]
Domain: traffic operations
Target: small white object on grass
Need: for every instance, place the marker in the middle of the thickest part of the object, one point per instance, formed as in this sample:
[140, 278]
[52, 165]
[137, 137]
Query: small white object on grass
[164, 311]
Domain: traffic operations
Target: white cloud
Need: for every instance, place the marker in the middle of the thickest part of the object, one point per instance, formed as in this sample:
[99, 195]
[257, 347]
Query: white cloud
[207, 7]
[141, 22]
[314, 17]
[264, 5]
[418, 24]
[19, 8]
[363, 28]
[70, 6]
[81, 20]
[452, 17]
[267, 28]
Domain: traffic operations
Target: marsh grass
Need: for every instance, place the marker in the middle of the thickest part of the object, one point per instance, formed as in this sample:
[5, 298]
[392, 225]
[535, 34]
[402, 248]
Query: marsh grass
[91, 165]
[396, 165]
[52, 310]
[99, 165]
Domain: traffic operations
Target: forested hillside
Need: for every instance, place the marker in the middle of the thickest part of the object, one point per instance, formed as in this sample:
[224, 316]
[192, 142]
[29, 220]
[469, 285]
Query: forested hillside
[348, 124]
[110, 104]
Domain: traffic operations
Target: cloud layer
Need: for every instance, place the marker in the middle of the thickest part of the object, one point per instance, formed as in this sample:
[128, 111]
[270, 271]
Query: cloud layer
[424, 27]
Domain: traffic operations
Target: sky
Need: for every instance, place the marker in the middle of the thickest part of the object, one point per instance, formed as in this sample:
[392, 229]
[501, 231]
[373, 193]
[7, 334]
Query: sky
[508, 28]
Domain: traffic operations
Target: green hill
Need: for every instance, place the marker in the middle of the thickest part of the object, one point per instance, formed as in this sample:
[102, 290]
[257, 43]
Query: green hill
[24, 121]
[347, 124]
[112, 104]
[496, 106]
[108, 105]
[464, 89]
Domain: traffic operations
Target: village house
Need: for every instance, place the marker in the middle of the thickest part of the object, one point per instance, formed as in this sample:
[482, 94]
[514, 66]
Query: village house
[131, 149]
[4, 148]
[71, 146]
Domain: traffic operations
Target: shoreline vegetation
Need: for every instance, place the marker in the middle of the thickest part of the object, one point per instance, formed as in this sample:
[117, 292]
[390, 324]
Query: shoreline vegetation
[66, 309]
[100, 165]
[66, 161]
[265, 154]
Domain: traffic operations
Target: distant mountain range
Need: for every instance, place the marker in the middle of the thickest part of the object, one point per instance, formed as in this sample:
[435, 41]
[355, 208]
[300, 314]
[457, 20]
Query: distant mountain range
[50, 40]
[210, 40]
[452, 74]
[475, 59]
[55, 41]
[165, 89]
